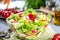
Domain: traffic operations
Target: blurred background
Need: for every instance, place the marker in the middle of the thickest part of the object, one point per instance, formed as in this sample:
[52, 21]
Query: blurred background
[31, 4]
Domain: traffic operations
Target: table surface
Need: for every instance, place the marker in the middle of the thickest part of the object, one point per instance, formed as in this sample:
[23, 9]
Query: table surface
[4, 26]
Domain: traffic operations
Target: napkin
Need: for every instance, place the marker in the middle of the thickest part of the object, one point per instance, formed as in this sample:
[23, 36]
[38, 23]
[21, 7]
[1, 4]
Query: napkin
[46, 35]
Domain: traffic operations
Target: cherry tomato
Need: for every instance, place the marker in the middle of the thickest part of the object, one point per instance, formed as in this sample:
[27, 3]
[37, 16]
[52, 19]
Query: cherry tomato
[21, 10]
[34, 31]
[56, 37]
[6, 14]
[3, 13]
[20, 15]
[15, 11]
[0, 12]
[8, 9]
[31, 17]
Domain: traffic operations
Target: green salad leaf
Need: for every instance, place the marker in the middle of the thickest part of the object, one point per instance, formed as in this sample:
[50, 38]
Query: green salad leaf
[29, 11]
[14, 16]
[49, 16]
[17, 16]
[11, 17]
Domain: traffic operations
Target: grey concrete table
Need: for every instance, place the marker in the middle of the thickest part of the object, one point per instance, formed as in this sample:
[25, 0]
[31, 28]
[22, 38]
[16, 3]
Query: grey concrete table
[4, 26]
[55, 28]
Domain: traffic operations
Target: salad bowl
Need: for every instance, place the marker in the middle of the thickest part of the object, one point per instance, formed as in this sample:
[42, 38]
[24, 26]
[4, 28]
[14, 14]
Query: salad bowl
[30, 24]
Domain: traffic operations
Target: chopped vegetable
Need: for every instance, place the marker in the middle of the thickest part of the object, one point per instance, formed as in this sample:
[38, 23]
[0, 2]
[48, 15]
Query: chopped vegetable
[31, 23]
